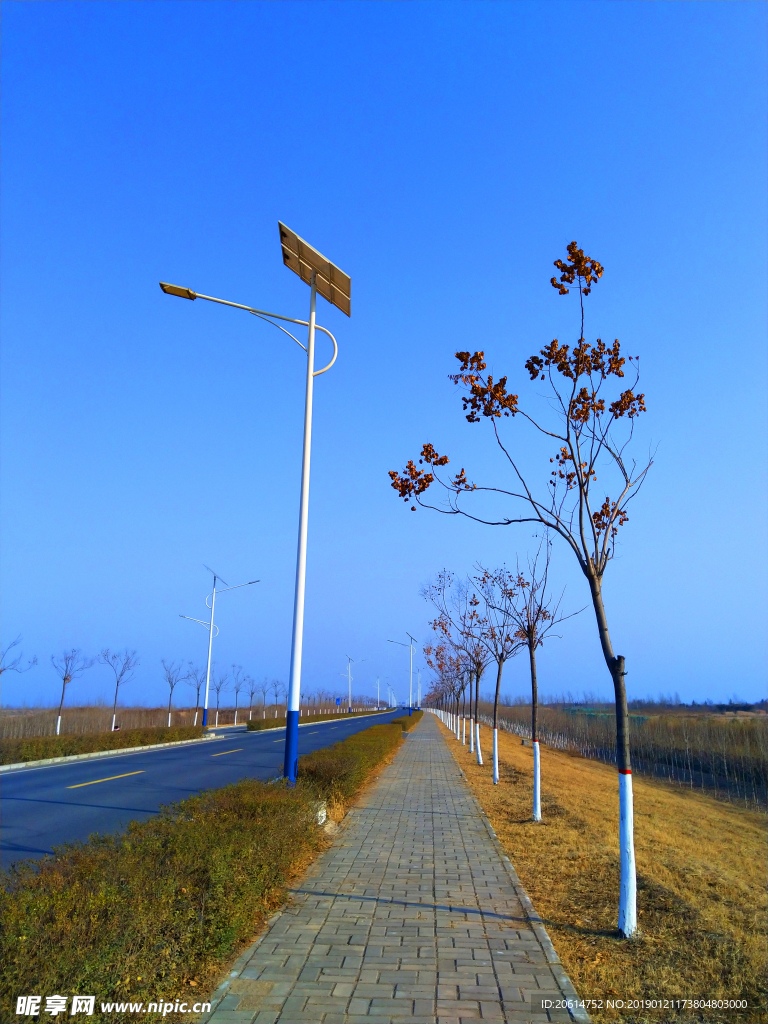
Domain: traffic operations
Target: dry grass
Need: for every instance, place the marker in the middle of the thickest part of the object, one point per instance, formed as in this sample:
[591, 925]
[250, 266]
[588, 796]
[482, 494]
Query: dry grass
[701, 881]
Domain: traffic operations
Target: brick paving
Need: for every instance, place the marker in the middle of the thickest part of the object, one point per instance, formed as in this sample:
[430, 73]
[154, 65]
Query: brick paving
[414, 914]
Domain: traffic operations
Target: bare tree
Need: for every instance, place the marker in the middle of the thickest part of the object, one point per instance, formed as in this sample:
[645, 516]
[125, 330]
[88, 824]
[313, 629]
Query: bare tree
[219, 685]
[196, 676]
[238, 682]
[498, 634]
[264, 690]
[172, 673]
[69, 666]
[123, 665]
[460, 624]
[535, 614]
[253, 687]
[585, 424]
[278, 689]
[14, 665]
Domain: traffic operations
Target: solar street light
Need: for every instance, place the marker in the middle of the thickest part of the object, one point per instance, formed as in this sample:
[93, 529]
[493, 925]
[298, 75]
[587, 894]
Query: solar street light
[334, 285]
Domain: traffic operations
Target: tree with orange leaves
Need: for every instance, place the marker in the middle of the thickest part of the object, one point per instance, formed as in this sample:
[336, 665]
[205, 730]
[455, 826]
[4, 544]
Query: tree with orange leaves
[590, 425]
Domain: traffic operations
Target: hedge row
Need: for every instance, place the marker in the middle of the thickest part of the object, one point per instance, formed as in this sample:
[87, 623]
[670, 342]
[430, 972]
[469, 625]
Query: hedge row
[159, 910]
[37, 748]
[407, 722]
[258, 724]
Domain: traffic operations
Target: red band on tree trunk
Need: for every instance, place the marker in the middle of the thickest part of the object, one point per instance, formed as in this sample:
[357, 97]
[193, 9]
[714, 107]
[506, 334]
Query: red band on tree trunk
[625, 771]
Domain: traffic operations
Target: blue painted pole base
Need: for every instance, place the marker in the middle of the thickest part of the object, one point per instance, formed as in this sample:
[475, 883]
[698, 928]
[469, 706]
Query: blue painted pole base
[291, 763]
[205, 717]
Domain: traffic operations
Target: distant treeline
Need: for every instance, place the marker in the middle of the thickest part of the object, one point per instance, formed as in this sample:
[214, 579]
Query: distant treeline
[725, 756]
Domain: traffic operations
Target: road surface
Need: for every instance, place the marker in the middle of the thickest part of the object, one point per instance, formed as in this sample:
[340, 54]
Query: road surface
[43, 807]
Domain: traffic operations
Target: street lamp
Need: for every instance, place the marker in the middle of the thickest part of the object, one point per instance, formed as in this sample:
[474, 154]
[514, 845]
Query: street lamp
[210, 627]
[410, 683]
[335, 286]
[350, 663]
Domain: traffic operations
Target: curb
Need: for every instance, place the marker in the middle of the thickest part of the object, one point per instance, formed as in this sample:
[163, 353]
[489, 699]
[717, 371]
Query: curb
[577, 1013]
[101, 753]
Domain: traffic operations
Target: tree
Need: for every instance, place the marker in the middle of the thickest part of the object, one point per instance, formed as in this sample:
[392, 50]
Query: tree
[238, 682]
[196, 676]
[264, 690]
[172, 673]
[253, 687]
[69, 666]
[278, 689]
[123, 665]
[460, 624]
[584, 423]
[533, 617]
[219, 685]
[15, 664]
[498, 590]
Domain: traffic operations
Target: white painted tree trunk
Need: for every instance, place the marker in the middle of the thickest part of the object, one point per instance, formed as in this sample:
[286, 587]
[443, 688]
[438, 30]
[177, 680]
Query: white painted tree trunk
[195, 716]
[113, 722]
[628, 891]
[235, 716]
[58, 725]
[217, 717]
[536, 782]
[495, 757]
[477, 740]
[464, 731]
[471, 736]
[169, 719]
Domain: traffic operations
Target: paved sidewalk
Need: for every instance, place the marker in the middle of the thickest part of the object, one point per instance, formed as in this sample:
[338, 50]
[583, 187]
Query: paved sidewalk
[414, 914]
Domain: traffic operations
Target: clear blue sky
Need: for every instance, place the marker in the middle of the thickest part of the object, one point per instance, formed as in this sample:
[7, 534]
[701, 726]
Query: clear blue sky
[443, 154]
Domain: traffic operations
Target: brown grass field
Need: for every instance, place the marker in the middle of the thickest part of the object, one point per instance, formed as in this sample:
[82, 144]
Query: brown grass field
[701, 870]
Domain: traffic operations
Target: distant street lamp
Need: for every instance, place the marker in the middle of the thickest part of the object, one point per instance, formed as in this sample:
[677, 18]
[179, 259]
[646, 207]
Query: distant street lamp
[210, 627]
[335, 286]
[350, 663]
[410, 683]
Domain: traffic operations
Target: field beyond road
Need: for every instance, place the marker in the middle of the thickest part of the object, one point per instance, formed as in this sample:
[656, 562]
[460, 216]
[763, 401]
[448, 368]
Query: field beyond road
[701, 881]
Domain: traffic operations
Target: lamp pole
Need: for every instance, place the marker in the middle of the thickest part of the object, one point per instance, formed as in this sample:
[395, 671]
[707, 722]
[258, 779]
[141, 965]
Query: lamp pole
[350, 662]
[334, 285]
[209, 626]
[410, 678]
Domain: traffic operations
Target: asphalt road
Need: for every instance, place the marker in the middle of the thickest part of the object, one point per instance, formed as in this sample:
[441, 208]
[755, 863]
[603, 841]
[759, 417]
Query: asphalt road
[43, 807]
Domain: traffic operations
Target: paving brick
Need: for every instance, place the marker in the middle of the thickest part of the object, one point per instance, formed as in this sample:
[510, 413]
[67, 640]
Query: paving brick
[411, 915]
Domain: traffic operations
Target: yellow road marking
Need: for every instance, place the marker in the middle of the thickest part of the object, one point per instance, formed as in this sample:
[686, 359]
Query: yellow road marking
[233, 751]
[111, 777]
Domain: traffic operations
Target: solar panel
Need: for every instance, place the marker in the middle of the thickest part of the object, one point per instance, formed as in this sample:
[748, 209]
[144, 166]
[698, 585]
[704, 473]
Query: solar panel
[333, 284]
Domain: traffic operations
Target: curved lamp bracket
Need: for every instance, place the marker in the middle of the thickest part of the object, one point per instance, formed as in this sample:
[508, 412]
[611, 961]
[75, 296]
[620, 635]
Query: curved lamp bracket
[262, 314]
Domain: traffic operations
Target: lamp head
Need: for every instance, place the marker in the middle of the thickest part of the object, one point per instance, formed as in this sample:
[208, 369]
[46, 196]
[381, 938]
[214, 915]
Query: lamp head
[175, 289]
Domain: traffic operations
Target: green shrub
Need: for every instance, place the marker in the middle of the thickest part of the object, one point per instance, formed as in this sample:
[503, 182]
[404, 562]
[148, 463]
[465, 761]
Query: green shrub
[407, 722]
[38, 748]
[257, 724]
[133, 916]
[141, 915]
[337, 772]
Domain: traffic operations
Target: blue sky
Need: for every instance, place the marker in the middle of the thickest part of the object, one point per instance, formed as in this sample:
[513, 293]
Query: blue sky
[443, 154]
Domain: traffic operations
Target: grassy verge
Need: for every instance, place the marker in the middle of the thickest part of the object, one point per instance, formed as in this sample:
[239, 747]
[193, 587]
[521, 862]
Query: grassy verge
[37, 748]
[701, 881]
[408, 722]
[158, 911]
[257, 725]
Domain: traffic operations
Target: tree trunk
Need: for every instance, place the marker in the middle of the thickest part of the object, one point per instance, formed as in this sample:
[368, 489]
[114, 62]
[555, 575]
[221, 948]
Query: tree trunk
[114, 708]
[496, 723]
[477, 717]
[616, 666]
[535, 732]
[471, 719]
